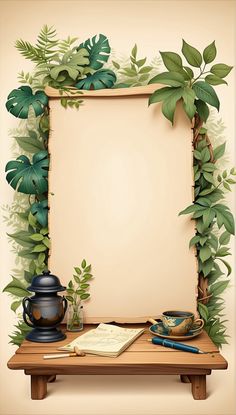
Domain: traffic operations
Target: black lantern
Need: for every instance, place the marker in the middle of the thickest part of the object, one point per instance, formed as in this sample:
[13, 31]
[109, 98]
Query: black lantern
[45, 309]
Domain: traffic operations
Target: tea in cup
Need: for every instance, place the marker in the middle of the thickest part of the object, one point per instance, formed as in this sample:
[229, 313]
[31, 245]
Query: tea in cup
[178, 323]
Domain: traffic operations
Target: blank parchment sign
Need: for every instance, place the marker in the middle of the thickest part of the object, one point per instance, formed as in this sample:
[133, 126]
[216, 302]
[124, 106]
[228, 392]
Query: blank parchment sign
[119, 175]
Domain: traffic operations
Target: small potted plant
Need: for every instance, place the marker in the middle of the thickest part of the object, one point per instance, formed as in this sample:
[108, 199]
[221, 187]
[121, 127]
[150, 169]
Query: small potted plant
[77, 291]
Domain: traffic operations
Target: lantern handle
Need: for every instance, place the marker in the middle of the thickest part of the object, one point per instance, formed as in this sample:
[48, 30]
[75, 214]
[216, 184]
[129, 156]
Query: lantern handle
[25, 312]
[65, 303]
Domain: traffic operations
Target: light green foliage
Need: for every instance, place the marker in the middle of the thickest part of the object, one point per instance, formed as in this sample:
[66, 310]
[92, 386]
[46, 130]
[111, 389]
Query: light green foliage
[133, 71]
[78, 287]
[202, 92]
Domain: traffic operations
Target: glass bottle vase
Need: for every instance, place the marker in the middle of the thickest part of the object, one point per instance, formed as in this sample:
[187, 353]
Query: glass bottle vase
[75, 317]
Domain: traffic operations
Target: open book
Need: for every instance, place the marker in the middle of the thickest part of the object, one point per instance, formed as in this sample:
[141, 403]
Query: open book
[105, 340]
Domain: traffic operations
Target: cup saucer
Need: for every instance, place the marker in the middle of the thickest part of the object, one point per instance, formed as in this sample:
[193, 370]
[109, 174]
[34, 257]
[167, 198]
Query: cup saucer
[159, 330]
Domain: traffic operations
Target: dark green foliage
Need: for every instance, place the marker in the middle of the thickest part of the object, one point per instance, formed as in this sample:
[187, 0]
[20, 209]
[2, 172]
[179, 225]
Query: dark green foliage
[98, 49]
[104, 78]
[27, 177]
[20, 100]
[40, 210]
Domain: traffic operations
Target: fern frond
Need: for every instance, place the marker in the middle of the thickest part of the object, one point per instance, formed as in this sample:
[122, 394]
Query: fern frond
[29, 51]
[65, 44]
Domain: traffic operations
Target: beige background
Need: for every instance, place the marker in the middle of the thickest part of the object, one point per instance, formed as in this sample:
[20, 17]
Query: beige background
[153, 26]
[113, 198]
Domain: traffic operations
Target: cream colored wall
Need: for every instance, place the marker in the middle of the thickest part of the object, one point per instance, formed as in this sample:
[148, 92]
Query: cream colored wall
[154, 26]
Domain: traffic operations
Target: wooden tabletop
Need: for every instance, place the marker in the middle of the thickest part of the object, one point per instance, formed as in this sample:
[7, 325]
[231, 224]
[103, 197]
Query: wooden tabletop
[141, 355]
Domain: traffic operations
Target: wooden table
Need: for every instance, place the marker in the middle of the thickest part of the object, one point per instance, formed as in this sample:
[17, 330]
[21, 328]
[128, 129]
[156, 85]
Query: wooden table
[141, 358]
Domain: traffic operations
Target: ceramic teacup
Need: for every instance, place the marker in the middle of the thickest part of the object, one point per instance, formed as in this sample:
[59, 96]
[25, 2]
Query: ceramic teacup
[179, 323]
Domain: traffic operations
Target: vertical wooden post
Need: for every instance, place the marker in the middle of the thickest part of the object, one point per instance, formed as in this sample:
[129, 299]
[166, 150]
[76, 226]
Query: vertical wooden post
[38, 386]
[198, 386]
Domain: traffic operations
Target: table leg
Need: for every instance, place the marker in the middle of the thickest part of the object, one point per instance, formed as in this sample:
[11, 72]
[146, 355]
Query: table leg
[198, 386]
[38, 386]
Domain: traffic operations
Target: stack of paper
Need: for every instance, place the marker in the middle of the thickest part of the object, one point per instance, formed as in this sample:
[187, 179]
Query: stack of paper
[105, 340]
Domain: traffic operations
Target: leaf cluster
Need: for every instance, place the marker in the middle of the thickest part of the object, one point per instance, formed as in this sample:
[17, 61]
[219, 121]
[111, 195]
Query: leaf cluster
[78, 286]
[135, 73]
[195, 92]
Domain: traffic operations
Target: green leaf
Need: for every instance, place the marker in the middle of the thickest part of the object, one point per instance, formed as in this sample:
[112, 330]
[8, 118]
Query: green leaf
[47, 242]
[209, 53]
[134, 51]
[221, 70]
[218, 287]
[206, 93]
[189, 72]
[88, 268]
[205, 155]
[168, 78]
[98, 50]
[229, 269]
[84, 286]
[26, 177]
[70, 66]
[16, 288]
[40, 211]
[169, 105]
[78, 270]
[209, 178]
[208, 216]
[31, 145]
[172, 61]
[192, 55]
[37, 237]
[145, 69]
[161, 94]
[223, 251]
[209, 167]
[225, 218]
[116, 65]
[205, 253]
[104, 78]
[83, 264]
[202, 109]
[84, 296]
[141, 62]
[70, 299]
[224, 238]
[207, 266]
[219, 151]
[20, 100]
[188, 96]
[15, 305]
[190, 209]
[39, 248]
[194, 241]
[77, 279]
[86, 277]
[22, 238]
[203, 310]
[214, 80]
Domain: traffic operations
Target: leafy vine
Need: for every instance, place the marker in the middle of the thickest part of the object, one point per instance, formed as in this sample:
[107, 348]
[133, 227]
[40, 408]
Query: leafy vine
[66, 67]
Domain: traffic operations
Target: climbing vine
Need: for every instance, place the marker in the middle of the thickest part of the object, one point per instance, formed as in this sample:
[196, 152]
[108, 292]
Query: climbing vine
[69, 66]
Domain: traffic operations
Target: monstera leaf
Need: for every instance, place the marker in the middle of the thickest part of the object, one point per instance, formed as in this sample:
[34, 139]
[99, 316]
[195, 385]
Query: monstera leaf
[40, 211]
[20, 100]
[105, 78]
[99, 50]
[26, 177]
[71, 64]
